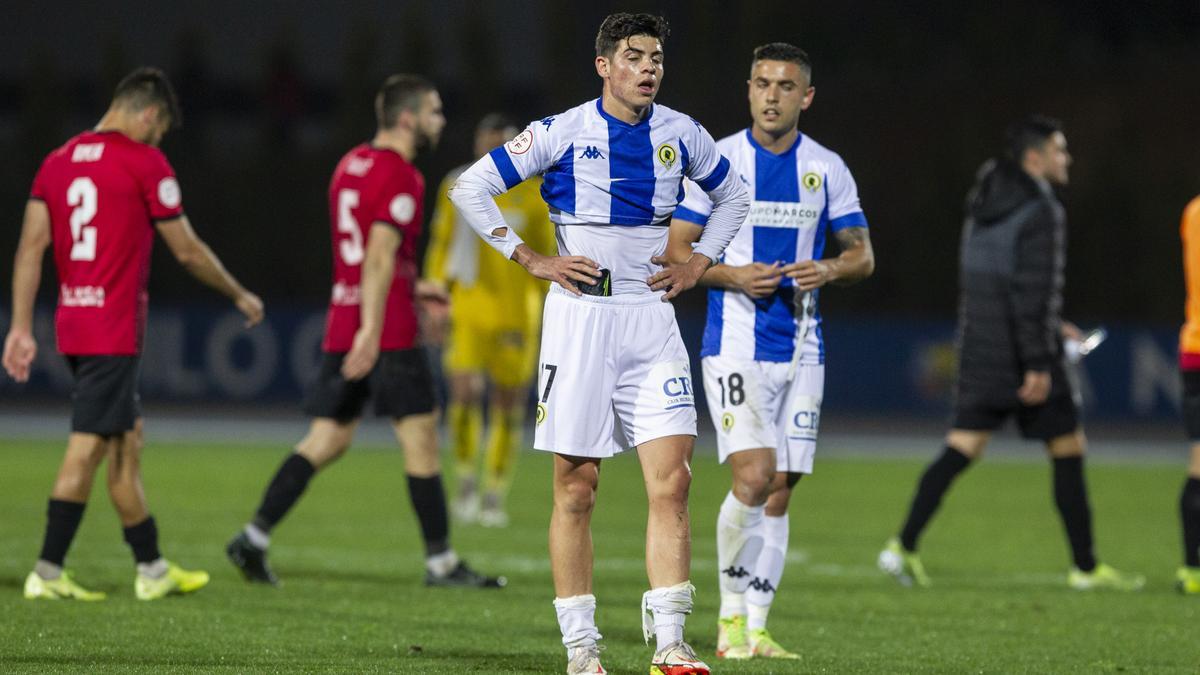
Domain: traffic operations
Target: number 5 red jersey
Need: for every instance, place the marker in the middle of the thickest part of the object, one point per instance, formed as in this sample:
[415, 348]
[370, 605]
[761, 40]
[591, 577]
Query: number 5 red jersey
[104, 192]
[373, 185]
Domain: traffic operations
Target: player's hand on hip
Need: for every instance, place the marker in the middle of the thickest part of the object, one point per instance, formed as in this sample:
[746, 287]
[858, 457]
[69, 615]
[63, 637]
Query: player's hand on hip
[758, 280]
[361, 358]
[1036, 388]
[251, 306]
[564, 270]
[809, 274]
[19, 351]
[675, 277]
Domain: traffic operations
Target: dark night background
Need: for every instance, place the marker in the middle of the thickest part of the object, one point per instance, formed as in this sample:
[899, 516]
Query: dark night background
[914, 96]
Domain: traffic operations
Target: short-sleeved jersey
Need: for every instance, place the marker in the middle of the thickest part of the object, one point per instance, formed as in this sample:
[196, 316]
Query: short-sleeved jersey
[482, 282]
[611, 186]
[797, 198]
[1189, 335]
[373, 185]
[104, 192]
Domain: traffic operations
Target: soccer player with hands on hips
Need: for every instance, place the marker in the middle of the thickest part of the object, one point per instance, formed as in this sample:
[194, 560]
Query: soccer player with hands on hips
[763, 353]
[370, 346]
[613, 371]
[98, 200]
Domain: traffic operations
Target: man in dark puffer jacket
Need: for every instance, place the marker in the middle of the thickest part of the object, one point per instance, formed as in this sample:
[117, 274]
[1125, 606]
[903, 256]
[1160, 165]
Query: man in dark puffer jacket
[1010, 346]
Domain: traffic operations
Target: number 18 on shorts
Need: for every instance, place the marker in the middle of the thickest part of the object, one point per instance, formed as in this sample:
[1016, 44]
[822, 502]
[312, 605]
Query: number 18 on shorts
[753, 404]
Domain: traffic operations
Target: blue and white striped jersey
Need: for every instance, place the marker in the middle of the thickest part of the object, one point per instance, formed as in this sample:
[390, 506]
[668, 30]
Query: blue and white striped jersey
[797, 197]
[611, 186]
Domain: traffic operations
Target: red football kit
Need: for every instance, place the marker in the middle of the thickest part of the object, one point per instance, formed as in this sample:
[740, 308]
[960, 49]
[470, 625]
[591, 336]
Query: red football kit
[373, 185]
[104, 192]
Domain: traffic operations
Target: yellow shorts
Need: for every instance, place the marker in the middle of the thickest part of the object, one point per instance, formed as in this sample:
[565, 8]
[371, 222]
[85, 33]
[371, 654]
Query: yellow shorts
[508, 356]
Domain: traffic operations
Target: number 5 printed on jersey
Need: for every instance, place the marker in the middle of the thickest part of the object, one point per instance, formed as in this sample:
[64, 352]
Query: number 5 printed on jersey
[350, 248]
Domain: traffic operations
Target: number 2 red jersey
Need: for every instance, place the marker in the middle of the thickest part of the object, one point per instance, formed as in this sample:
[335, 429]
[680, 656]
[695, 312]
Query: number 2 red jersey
[104, 191]
[373, 185]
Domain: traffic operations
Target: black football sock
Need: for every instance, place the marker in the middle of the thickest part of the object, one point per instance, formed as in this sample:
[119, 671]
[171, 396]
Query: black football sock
[429, 501]
[1070, 496]
[284, 491]
[62, 521]
[933, 486]
[143, 539]
[1189, 508]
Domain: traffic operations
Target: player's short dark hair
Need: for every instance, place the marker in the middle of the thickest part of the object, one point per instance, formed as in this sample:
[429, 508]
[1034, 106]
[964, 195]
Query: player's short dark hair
[1029, 132]
[782, 51]
[399, 92]
[623, 25]
[496, 121]
[147, 86]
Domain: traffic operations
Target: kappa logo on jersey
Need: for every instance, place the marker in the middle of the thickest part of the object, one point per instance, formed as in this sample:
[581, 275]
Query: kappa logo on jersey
[811, 181]
[402, 209]
[359, 166]
[87, 152]
[667, 154]
[591, 152]
[547, 121]
[168, 192]
[727, 422]
[521, 143]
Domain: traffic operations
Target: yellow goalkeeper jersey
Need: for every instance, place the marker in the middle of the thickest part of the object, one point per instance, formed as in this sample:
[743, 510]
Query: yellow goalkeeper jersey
[486, 290]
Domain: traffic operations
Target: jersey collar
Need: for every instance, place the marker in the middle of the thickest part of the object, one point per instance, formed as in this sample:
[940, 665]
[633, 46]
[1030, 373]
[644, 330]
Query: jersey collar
[613, 120]
[759, 148]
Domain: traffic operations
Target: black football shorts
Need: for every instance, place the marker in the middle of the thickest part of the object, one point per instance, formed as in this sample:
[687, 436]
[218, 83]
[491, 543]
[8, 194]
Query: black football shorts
[1191, 403]
[401, 384]
[105, 400]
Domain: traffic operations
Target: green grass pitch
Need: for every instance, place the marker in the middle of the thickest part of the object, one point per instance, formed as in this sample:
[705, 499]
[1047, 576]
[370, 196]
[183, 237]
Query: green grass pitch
[353, 601]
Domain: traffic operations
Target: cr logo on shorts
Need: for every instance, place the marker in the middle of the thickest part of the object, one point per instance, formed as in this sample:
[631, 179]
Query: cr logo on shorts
[678, 386]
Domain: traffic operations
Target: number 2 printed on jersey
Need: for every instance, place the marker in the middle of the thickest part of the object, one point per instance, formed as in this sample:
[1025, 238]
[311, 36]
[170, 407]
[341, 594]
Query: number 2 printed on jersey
[82, 195]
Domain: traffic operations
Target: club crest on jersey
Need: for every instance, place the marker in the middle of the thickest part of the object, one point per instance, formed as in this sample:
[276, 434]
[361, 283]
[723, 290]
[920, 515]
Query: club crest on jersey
[402, 209]
[811, 181]
[168, 192]
[667, 154]
[727, 422]
[521, 144]
[540, 415]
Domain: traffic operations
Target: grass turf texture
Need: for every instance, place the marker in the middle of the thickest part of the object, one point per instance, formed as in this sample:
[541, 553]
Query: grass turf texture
[353, 600]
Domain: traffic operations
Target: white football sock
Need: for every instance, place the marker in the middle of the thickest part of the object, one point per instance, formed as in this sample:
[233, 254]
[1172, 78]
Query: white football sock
[739, 542]
[768, 572]
[442, 563]
[258, 537]
[577, 621]
[156, 569]
[663, 613]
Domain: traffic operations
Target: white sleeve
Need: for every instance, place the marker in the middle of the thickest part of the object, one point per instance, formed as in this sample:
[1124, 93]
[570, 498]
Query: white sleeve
[844, 209]
[730, 201]
[696, 206]
[502, 169]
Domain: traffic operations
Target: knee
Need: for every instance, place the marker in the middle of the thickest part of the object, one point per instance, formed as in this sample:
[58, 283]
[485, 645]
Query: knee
[575, 496]
[320, 450]
[670, 486]
[753, 484]
[1068, 445]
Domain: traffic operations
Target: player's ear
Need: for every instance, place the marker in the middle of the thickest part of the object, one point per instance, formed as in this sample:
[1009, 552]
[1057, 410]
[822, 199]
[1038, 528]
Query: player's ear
[808, 98]
[602, 66]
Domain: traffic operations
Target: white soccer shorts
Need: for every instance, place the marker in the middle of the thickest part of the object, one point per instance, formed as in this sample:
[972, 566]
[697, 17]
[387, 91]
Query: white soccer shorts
[753, 405]
[613, 374]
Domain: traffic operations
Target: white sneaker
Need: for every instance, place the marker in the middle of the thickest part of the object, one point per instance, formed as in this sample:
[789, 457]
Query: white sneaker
[585, 661]
[465, 508]
[677, 658]
[493, 517]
